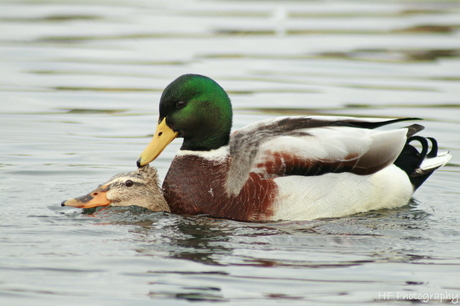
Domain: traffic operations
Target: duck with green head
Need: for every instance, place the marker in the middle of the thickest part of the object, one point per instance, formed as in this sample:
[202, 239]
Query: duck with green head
[288, 168]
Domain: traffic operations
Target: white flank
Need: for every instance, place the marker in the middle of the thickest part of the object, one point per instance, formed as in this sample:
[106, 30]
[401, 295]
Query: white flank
[340, 194]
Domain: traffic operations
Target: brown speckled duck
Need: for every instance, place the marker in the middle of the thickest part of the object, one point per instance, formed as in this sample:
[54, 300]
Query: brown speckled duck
[289, 168]
[140, 188]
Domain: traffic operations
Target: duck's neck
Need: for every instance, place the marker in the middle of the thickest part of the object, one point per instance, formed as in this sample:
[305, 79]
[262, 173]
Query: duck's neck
[219, 154]
[210, 132]
[206, 141]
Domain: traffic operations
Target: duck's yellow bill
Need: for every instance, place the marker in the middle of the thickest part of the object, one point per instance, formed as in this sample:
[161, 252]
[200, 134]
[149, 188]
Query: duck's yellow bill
[95, 198]
[161, 139]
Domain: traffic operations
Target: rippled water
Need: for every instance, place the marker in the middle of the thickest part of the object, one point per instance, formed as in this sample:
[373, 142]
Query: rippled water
[80, 83]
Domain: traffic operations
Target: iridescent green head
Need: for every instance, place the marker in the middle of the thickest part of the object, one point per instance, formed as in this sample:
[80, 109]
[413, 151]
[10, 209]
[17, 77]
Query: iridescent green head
[195, 108]
[199, 110]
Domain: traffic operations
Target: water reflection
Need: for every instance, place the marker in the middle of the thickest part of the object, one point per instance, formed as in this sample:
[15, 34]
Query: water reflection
[192, 294]
[224, 242]
[93, 111]
[393, 55]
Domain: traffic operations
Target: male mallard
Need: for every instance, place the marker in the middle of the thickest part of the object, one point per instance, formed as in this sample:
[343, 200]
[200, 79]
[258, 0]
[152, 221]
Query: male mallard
[138, 188]
[290, 168]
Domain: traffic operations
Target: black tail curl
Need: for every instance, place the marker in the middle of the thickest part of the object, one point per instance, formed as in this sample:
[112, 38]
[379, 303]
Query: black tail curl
[410, 159]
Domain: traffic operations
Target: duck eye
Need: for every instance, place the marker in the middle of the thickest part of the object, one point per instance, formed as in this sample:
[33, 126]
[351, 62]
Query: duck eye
[129, 183]
[181, 104]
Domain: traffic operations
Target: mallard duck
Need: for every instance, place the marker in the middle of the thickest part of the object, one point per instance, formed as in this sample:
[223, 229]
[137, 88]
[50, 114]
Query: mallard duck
[140, 188]
[289, 168]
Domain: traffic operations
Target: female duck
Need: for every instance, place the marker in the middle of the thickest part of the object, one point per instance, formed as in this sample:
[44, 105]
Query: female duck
[138, 188]
[290, 168]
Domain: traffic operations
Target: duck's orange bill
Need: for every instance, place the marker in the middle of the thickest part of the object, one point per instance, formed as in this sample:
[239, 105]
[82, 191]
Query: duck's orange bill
[161, 139]
[95, 198]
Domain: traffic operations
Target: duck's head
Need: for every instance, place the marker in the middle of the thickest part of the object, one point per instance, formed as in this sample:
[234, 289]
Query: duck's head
[195, 108]
[140, 188]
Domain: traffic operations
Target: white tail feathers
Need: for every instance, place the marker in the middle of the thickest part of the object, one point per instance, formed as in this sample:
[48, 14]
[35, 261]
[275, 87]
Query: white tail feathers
[433, 163]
